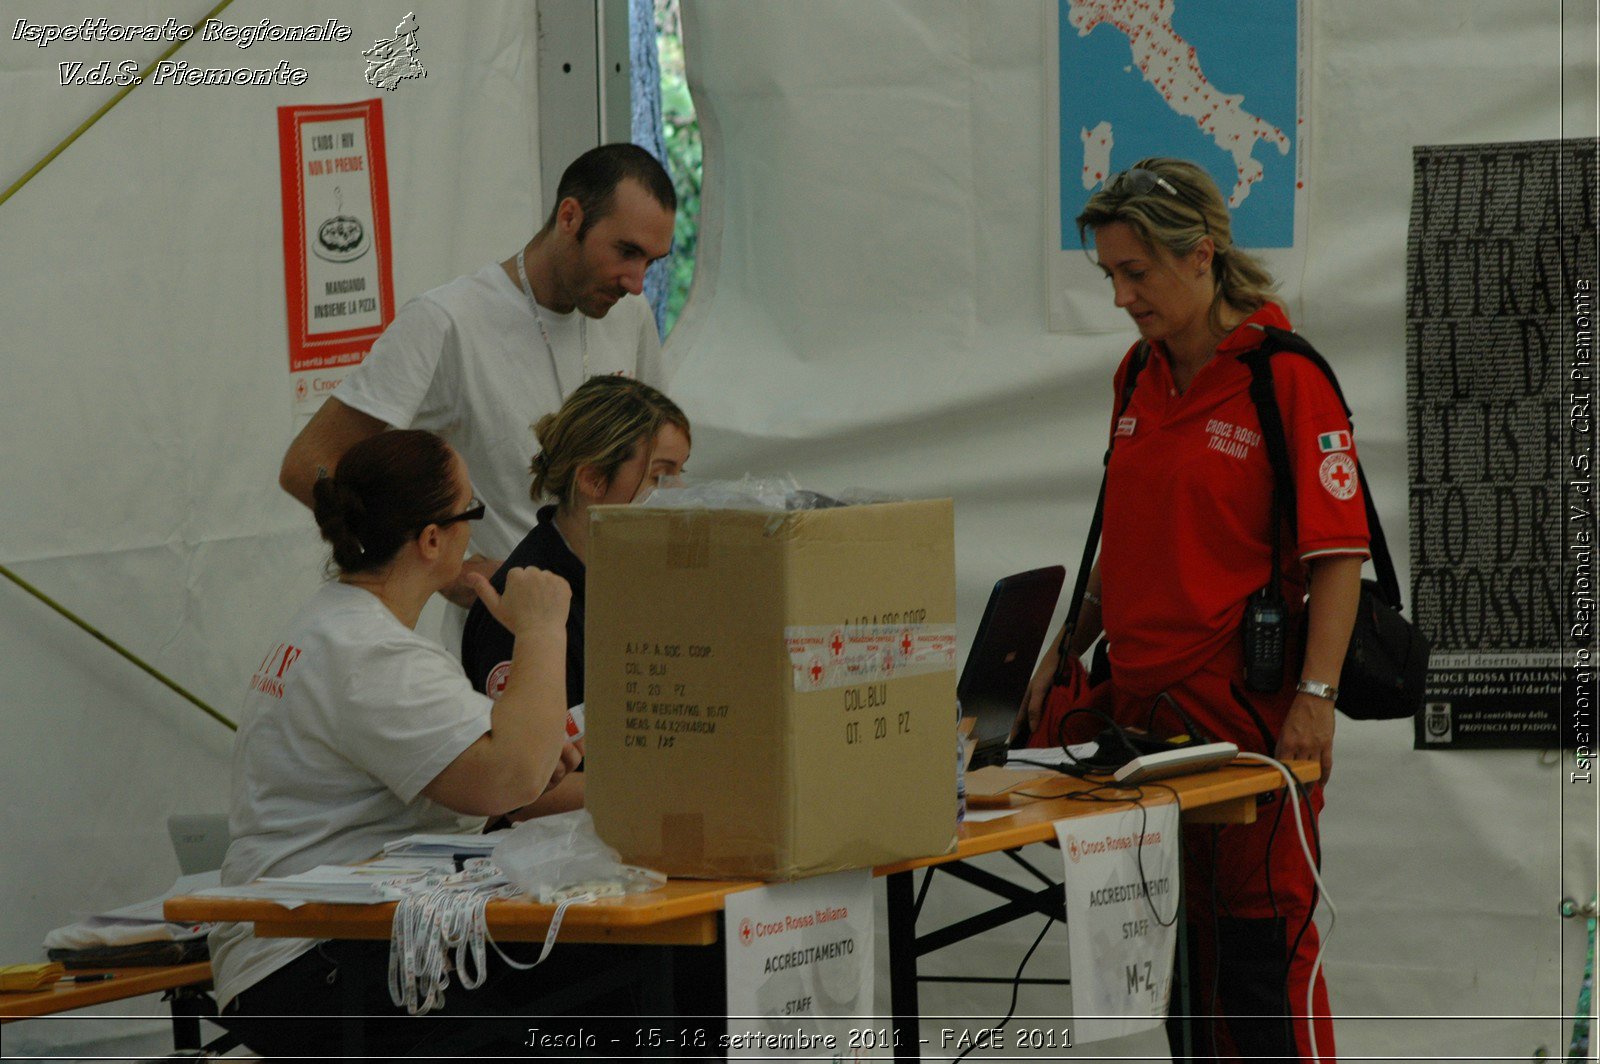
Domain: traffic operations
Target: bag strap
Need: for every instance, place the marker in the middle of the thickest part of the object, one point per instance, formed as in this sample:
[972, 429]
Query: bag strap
[1265, 397]
[1141, 355]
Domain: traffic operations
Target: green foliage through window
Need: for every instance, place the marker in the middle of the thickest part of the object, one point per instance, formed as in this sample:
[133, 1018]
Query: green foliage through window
[682, 134]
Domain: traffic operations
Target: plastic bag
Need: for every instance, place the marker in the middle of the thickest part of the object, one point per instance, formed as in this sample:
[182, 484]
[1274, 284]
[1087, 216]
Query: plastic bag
[747, 493]
[554, 858]
[776, 494]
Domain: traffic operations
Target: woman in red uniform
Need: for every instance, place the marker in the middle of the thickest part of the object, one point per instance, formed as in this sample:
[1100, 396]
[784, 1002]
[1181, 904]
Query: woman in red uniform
[1187, 540]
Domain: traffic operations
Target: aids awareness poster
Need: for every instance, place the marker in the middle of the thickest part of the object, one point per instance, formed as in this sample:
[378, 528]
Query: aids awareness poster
[338, 277]
[800, 970]
[1121, 883]
[1501, 278]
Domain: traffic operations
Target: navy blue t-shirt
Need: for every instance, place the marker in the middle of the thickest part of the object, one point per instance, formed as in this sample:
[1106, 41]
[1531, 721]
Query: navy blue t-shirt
[485, 643]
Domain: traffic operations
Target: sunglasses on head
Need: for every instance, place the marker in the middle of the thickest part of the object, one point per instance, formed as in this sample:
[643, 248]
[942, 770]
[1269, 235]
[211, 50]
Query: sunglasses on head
[1137, 181]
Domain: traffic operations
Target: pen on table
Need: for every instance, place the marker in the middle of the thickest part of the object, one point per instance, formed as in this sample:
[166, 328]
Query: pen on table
[98, 977]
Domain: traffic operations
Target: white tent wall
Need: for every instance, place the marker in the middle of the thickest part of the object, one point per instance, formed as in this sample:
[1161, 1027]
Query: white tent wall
[869, 311]
[147, 402]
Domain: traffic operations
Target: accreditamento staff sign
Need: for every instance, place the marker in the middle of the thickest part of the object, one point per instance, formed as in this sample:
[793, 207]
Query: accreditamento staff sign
[1121, 884]
[338, 276]
[800, 967]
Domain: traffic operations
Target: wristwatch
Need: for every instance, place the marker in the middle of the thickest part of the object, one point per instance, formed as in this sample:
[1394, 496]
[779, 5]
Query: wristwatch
[1318, 689]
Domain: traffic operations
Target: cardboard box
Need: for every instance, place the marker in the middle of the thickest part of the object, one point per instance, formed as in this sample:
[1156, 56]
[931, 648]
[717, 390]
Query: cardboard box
[772, 695]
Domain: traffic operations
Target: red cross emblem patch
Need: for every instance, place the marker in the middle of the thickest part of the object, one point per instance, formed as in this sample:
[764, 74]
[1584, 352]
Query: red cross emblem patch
[1339, 475]
[495, 685]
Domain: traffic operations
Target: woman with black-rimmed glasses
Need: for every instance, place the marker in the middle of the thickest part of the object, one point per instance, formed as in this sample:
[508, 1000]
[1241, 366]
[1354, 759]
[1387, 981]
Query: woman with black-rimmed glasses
[359, 731]
[1188, 544]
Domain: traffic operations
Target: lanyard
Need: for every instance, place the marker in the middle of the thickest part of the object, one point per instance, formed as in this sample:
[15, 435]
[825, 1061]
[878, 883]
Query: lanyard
[440, 927]
[538, 316]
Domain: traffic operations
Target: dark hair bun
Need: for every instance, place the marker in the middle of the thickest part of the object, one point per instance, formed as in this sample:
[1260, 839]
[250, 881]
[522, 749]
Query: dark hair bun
[339, 513]
[386, 489]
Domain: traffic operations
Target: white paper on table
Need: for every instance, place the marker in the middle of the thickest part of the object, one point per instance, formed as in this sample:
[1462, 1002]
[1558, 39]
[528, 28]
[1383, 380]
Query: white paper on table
[375, 881]
[1121, 953]
[474, 843]
[133, 924]
[1052, 755]
[978, 816]
[800, 967]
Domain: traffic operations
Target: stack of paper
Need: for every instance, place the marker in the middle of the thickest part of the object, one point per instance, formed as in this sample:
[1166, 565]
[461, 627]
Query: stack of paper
[133, 924]
[376, 881]
[448, 847]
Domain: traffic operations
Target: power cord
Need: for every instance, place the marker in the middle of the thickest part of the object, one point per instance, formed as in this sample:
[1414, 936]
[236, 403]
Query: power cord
[1016, 987]
[1293, 789]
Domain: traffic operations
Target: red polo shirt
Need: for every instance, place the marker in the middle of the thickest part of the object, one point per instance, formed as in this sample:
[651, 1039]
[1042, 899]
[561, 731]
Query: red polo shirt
[1189, 500]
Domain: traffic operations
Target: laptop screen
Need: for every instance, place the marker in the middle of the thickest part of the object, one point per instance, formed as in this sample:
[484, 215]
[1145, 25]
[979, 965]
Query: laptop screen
[1014, 626]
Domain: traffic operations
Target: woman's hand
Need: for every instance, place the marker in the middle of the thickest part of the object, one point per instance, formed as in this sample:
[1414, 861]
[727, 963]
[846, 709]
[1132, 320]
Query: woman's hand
[533, 599]
[1331, 613]
[1308, 733]
[460, 591]
[1038, 687]
[571, 758]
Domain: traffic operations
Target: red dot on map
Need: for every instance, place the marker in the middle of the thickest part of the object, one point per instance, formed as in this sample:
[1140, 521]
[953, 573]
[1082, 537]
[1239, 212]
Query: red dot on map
[1299, 184]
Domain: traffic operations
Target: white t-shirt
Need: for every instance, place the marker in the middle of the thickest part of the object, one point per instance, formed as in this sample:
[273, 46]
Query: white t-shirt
[347, 719]
[466, 360]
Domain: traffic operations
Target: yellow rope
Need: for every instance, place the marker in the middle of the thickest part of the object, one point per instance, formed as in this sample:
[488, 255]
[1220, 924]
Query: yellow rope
[15, 187]
[33, 171]
[113, 644]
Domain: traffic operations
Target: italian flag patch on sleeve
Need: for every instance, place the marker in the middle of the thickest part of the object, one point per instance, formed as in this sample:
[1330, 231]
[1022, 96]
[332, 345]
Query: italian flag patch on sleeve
[1333, 441]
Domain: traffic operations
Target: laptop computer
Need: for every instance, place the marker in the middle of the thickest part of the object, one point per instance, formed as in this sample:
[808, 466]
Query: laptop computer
[1010, 635]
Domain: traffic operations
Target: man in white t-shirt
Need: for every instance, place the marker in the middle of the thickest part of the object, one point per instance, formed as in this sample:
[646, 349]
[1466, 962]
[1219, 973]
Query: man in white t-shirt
[480, 359]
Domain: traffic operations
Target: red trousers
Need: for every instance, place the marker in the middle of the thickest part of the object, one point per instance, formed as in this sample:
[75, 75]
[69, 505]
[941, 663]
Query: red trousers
[1248, 890]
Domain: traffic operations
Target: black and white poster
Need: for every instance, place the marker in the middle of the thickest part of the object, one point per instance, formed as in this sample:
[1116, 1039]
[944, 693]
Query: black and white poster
[1501, 446]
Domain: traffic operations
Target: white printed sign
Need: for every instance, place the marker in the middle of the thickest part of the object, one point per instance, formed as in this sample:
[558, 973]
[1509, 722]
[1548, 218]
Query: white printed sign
[338, 274]
[1120, 951]
[800, 968]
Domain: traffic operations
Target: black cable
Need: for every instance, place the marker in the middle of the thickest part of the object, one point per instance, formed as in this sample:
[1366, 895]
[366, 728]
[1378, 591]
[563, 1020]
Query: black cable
[1138, 853]
[1016, 987]
[1118, 796]
[1194, 730]
[1272, 838]
[1078, 767]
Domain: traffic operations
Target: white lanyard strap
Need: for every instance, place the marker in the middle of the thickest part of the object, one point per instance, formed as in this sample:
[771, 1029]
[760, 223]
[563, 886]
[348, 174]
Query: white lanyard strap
[440, 925]
[538, 316]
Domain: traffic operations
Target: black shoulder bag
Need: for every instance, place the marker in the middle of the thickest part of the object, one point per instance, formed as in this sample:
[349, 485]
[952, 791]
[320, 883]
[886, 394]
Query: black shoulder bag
[1386, 667]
